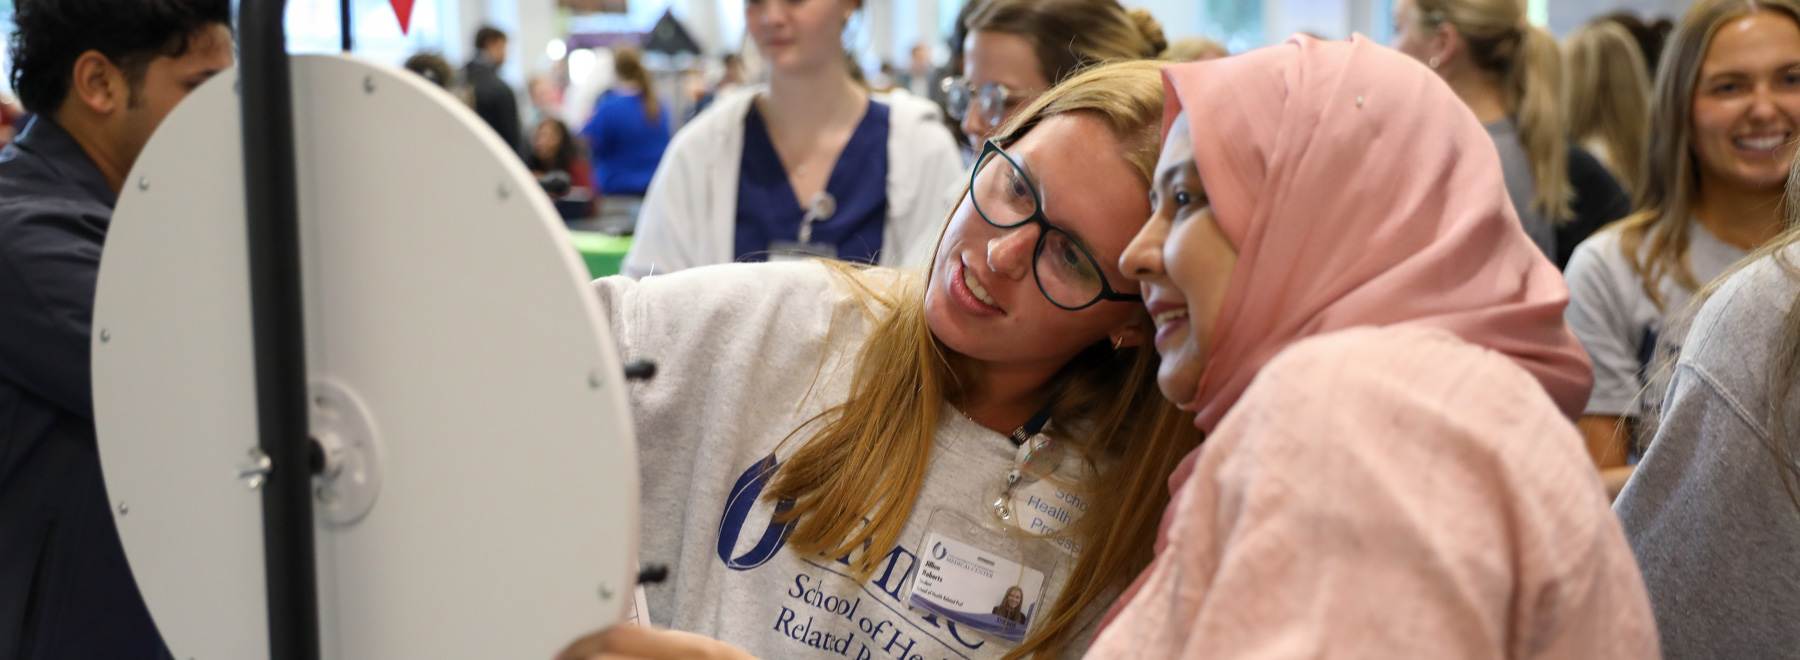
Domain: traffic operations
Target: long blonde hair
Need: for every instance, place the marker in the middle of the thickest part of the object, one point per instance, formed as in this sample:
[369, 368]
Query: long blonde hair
[1786, 369]
[1500, 40]
[1608, 95]
[1654, 237]
[868, 456]
[1070, 35]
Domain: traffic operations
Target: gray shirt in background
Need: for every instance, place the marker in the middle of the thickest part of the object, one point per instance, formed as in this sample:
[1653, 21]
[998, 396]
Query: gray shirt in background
[1595, 196]
[1713, 528]
[1521, 186]
[1614, 318]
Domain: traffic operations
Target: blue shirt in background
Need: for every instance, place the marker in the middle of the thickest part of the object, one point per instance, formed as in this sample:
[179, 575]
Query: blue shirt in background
[624, 144]
[767, 209]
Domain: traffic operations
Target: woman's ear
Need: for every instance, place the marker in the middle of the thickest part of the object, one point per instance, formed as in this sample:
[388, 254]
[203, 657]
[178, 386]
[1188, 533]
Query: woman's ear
[1446, 45]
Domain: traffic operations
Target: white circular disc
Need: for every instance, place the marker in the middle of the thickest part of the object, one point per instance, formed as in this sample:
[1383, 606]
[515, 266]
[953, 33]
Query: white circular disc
[439, 288]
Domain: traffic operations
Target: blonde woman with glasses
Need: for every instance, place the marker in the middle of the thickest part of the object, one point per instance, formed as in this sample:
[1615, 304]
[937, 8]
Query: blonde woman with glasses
[811, 424]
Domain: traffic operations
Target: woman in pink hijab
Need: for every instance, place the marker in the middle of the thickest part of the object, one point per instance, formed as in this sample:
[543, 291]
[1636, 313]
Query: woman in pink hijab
[1377, 355]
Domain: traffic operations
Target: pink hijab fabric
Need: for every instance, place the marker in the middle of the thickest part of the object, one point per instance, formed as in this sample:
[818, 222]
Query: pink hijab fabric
[1359, 191]
[1389, 492]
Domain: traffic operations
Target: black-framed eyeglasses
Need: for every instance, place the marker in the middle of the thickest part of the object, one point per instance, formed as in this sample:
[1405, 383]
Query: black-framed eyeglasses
[1006, 197]
[988, 100]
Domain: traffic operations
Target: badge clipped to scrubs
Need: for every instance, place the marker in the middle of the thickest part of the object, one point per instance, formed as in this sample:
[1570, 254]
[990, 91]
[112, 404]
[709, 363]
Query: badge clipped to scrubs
[984, 578]
[822, 207]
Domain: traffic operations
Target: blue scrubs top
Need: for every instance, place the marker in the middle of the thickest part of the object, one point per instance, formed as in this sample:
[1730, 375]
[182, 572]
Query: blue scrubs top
[767, 209]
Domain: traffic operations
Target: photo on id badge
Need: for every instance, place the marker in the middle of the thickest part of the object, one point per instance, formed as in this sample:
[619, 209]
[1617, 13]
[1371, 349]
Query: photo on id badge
[983, 589]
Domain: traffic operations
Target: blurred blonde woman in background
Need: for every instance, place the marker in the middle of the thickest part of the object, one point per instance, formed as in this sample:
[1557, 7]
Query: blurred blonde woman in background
[1608, 99]
[1726, 109]
[1017, 49]
[1509, 73]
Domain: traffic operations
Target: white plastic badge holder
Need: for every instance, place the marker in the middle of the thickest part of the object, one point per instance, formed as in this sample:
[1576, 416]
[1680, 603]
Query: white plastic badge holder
[822, 207]
[798, 251]
[984, 578]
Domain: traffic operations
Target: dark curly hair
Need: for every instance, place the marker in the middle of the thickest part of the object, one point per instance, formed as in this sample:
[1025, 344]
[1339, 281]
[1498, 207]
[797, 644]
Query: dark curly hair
[432, 67]
[566, 149]
[52, 34]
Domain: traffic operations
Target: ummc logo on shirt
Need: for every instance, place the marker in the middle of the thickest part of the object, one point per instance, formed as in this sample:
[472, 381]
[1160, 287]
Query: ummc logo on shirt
[875, 625]
[738, 506]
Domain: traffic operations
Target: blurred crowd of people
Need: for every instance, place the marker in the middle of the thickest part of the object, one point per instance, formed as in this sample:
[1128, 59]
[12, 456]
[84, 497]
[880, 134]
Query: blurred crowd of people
[1642, 158]
[1644, 161]
[1472, 344]
[611, 154]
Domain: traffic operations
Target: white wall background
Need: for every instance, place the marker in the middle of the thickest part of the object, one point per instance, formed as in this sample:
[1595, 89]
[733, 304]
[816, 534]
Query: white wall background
[889, 28]
[1566, 16]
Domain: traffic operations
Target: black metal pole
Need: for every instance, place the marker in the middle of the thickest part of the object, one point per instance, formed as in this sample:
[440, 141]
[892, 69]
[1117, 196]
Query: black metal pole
[279, 330]
[344, 23]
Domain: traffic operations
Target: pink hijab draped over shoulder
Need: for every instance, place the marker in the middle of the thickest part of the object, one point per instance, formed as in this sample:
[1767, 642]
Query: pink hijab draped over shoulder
[1374, 483]
[1359, 190]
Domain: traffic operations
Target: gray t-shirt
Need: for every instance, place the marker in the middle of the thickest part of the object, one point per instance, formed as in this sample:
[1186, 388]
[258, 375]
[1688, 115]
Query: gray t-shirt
[1713, 528]
[1521, 186]
[737, 348]
[1614, 318]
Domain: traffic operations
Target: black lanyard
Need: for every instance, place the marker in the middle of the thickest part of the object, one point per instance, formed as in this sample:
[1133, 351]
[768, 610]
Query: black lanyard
[1032, 426]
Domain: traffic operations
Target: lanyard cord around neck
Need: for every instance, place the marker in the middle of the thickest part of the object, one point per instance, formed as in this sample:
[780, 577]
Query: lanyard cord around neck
[1032, 427]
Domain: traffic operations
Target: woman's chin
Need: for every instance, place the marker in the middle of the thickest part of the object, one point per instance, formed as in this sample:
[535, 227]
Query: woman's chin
[1177, 387]
[945, 327]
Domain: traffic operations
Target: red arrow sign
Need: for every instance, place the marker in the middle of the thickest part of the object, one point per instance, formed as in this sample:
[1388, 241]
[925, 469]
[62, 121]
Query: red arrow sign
[403, 11]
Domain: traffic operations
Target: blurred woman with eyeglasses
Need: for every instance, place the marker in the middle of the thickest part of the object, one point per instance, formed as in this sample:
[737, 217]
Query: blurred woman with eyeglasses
[1016, 49]
[812, 163]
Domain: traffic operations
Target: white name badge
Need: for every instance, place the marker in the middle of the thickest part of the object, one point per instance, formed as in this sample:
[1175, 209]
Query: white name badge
[977, 589]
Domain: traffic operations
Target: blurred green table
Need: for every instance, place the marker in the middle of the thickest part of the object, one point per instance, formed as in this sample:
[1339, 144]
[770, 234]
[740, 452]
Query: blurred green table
[602, 252]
